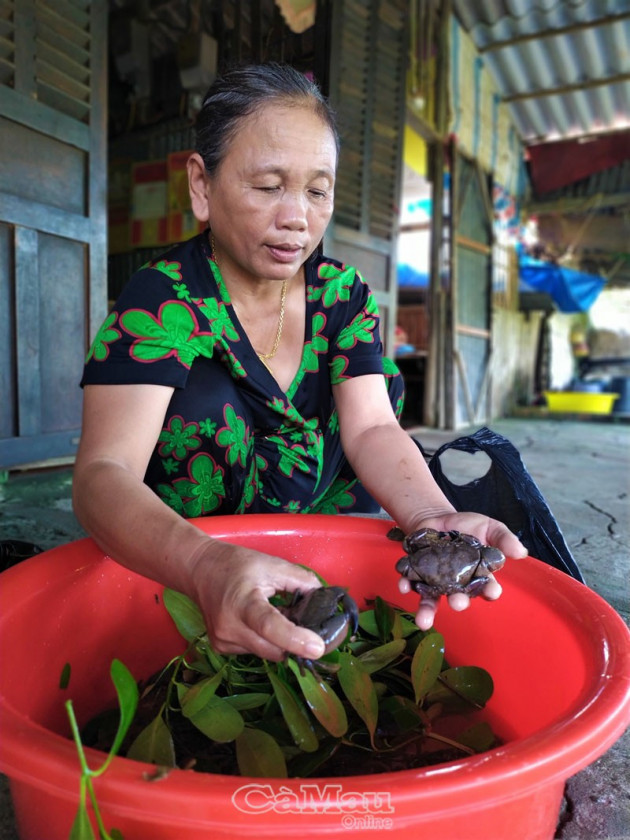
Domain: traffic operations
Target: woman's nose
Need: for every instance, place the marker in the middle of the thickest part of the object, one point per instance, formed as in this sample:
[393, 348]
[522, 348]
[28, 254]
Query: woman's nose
[292, 212]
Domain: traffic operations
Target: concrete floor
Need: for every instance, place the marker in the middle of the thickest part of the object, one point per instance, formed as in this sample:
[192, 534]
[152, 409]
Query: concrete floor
[583, 470]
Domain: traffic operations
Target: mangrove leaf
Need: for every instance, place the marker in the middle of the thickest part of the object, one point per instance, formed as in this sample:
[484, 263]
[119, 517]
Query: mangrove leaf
[381, 656]
[194, 698]
[128, 696]
[218, 720]
[294, 714]
[258, 754]
[384, 617]
[357, 685]
[321, 700]
[154, 744]
[404, 712]
[427, 664]
[459, 688]
[82, 827]
[185, 613]
[304, 765]
[479, 737]
[249, 700]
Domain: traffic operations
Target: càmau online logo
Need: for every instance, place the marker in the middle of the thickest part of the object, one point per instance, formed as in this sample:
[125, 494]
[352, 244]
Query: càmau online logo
[256, 798]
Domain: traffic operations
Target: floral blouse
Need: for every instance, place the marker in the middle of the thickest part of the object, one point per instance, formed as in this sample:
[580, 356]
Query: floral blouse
[233, 441]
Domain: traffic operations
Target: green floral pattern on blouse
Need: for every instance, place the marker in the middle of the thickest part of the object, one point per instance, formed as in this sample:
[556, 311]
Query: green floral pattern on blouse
[232, 440]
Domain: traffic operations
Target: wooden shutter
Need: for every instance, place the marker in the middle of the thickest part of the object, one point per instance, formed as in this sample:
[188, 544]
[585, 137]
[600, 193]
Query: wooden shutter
[468, 343]
[367, 88]
[52, 217]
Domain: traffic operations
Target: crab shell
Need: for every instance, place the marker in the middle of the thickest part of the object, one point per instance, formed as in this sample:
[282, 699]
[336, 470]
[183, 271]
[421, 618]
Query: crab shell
[446, 562]
[319, 611]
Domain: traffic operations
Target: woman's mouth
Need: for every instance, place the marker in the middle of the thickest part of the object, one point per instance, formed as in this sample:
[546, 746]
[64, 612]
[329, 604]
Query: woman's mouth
[284, 253]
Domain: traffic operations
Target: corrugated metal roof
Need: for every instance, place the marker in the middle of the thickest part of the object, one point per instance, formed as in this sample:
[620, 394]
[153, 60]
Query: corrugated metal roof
[563, 66]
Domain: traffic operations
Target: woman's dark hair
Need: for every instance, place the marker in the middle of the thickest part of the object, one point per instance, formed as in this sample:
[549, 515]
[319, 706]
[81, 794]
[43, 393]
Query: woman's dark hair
[241, 91]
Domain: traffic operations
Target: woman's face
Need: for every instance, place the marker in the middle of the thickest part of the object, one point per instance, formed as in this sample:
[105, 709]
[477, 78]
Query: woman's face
[271, 198]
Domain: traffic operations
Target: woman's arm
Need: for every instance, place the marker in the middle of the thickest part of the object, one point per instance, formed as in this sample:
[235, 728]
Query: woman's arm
[393, 470]
[121, 424]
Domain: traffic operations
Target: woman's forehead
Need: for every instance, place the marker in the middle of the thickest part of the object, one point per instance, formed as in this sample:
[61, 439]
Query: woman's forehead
[278, 128]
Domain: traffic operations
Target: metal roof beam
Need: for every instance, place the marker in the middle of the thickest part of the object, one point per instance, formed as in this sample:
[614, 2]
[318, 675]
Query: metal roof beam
[550, 33]
[556, 91]
[578, 204]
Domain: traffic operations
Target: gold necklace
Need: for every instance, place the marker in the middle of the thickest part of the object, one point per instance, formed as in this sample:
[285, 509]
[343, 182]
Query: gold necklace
[264, 357]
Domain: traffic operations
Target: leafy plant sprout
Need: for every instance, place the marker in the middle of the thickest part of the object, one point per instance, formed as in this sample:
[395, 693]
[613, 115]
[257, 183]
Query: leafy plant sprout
[127, 691]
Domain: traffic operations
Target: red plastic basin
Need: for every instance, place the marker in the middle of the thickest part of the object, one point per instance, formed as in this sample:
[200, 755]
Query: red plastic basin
[558, 653]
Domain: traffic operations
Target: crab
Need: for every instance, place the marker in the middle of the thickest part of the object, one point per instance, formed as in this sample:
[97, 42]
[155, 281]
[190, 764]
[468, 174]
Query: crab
[445, 562]
[328, 611]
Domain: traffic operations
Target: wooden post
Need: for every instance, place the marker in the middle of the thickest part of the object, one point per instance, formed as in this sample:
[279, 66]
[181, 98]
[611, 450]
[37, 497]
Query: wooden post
[434, 407]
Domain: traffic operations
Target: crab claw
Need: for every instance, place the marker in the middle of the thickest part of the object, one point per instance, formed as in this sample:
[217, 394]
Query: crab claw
[328, 611]
[351, 609]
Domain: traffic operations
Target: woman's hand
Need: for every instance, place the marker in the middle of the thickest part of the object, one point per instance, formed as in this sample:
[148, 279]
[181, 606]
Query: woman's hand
[232, 586]
[490, 532]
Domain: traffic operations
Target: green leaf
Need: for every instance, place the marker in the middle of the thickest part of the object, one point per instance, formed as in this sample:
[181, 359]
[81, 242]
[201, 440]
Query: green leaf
[479, 737]
[127, 690]
[408, 626]
[397, 626]
[384, 616]
[64, 677]
[304, 765]
[404, 712]
[82, 827]
[218, 720]
[378, 657]
[321, 700]
[154, 744]
[367, 622]
[248, 700]
[201, 666]
[215, 660]
[258, 754]
[459, 688]
[193, 699]
[427, 664]
[330, 660]
[185, 613]
[294, 714]
[414, 639]
[357, 685]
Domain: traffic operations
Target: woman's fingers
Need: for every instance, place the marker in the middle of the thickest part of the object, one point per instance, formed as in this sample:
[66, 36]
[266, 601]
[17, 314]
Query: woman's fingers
[269, 624]
[500, 536]
[492, 590]
[425, 614]
[234, 590]
[458, 601]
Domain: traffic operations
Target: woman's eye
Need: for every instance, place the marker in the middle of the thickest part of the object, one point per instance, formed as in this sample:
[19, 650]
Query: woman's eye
[318, 193]
[268, 189]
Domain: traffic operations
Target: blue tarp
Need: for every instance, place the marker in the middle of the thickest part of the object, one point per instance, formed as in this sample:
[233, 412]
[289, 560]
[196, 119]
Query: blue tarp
[571, 290]
[410, 276]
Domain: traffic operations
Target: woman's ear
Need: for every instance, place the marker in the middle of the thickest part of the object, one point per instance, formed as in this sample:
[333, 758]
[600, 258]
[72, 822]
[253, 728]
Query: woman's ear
[198, 187]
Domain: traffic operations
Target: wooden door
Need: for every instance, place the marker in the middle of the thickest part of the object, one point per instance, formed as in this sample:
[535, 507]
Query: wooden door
[53, 249]
[467, 346]
[367, 87]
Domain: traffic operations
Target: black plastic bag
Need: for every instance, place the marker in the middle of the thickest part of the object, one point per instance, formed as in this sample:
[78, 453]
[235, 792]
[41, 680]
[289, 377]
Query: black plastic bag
[507, 492]
[14, 551]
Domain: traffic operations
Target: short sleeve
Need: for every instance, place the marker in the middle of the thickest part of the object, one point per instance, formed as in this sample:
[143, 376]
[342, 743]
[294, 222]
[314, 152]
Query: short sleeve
[357, 348]
[151, 336]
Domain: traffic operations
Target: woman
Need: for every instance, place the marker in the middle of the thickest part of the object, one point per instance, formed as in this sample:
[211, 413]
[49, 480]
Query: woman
[243, 372]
